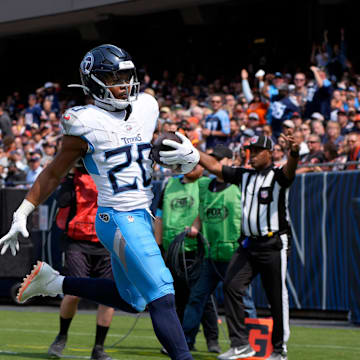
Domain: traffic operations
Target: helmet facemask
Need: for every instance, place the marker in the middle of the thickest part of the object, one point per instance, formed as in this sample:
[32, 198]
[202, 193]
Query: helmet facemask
[100, 83]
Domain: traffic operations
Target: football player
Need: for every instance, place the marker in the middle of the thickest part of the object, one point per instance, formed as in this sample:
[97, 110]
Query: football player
[113, 137]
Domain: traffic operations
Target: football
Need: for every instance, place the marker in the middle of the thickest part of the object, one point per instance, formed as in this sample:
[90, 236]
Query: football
[158, 146]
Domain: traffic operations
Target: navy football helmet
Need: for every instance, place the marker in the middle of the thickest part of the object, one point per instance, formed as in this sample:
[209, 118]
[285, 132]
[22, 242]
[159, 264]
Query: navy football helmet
[108, 66]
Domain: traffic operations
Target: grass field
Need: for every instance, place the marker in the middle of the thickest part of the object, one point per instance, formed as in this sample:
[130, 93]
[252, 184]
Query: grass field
[27, 335]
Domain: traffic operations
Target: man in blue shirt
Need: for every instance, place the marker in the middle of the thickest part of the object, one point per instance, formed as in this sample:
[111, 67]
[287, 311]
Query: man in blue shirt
[33, 111]
[217, 124]
[34, 169]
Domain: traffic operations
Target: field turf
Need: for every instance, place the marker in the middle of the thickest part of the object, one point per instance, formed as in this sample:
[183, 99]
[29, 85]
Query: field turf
[26, 335]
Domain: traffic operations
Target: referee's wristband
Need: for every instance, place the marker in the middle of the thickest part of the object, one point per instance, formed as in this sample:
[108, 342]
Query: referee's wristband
[294, 154]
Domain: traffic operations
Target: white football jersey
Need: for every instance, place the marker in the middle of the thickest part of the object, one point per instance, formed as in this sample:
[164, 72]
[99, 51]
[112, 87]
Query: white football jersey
[118, 150]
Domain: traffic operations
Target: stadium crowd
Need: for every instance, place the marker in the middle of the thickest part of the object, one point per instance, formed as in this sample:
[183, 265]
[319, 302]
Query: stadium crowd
[319, 105]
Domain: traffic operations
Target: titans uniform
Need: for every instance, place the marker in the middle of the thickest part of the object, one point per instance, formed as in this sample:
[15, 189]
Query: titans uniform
[118, 161]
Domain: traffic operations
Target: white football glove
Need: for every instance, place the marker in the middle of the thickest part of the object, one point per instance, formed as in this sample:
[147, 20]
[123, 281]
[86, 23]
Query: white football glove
[183, 154]
[18, 226]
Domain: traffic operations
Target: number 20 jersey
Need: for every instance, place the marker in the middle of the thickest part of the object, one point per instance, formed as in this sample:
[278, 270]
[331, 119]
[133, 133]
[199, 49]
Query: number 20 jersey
[118, 150]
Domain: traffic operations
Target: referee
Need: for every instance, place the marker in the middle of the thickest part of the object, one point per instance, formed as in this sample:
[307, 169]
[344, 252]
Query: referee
[264, 242]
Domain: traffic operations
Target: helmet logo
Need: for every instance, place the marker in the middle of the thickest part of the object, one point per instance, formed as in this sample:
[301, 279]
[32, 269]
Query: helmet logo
[87, 64]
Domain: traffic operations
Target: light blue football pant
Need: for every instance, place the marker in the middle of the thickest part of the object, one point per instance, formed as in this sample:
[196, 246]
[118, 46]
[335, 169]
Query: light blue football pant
[138, 267]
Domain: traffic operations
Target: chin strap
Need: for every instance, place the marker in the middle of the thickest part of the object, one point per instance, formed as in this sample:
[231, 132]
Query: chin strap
[105, 106]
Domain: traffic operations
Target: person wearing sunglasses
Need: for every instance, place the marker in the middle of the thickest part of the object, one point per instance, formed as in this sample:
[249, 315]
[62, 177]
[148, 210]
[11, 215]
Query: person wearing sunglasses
[217, 124]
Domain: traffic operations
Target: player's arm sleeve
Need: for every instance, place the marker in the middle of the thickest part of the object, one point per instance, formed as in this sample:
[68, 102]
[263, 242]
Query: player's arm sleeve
[282, 179]
[71, 124]
[232, 175]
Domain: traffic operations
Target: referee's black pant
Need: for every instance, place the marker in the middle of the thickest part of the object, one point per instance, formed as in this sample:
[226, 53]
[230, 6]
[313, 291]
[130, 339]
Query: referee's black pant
[269, 259]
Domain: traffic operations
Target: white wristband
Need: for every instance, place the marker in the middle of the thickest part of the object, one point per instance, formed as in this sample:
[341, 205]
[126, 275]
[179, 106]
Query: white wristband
[25, 209]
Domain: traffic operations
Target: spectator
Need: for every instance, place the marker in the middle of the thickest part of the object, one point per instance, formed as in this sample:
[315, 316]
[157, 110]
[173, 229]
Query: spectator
[333, 133]
[198, 113]
[217, 124]
[353, 141]
[33, 111]
[346, 127]
[336, 101]
[17, 157]
[253, 123]
[267, 131]
[306, 130]
[15, 176]
[164, 115]
[317, 116]
[271, 86]
[234, 139]
[317, 127]
[49, 150]
[288, 127]
[281, 109]
[230, 103]
[259, 107]
[314, 156]
[296, 119]
[50, 92]
[319, 55]
[331, 156]
[351, 116]
[5, 124]
[300, 141]
[357, 123]
[337, 61]
[34, 169]
[4, 161]
[278, 156]
[254, 100]
[319, 94]
[300, 91]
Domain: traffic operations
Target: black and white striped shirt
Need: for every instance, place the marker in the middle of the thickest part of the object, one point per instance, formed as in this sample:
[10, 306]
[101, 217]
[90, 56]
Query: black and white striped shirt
[264, 196]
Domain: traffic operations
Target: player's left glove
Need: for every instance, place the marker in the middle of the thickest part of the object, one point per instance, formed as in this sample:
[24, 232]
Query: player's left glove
[184, 153]
[18, 226]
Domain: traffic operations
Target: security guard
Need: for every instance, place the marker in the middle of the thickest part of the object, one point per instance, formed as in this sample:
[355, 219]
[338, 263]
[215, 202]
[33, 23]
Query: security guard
[264, 242]
[177, 209]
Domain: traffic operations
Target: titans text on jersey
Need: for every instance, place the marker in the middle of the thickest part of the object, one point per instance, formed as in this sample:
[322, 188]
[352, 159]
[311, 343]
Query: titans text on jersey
[118, 151]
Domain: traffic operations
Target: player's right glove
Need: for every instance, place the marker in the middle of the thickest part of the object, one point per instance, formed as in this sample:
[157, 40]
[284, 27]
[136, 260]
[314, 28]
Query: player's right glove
[184, 153]
[10, 240]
